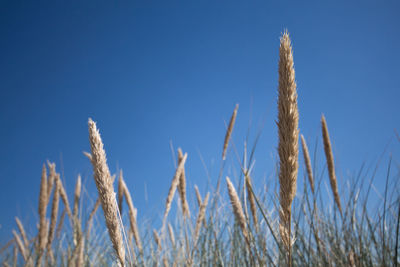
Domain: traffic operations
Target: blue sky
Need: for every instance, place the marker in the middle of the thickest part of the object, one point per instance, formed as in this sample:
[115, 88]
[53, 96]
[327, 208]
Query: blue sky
[152, 73]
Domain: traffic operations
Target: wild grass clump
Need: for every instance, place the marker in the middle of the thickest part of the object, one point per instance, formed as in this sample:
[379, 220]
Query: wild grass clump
[247, 224]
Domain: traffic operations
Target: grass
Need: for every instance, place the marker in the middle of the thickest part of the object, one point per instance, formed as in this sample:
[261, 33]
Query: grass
[236, 225]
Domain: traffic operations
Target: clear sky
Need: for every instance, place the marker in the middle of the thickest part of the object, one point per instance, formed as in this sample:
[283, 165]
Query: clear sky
[156, 73]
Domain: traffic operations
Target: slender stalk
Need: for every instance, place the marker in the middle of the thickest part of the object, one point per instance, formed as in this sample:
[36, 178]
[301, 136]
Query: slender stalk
[251, 200]
[120, 192]
[330, 163]
[54, 214]
[307, 162]
[42, 216]
[132, 216]
[77, 226]
[229, 131]
[237, 209]
[22, 231]
[288, 119]
[105, 188]
[182, 188]
[172, 189]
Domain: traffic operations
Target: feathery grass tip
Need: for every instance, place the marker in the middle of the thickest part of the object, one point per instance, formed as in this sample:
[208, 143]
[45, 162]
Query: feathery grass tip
[229, 131]
[307, 162]
[105, 188]
[330, 162]
[288, 119]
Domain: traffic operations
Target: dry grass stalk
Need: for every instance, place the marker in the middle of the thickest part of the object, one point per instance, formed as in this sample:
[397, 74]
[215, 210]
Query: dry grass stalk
[22, 231]
[172, 189]
[52, 178]
[96, 206]
[15, 256]
[237, 208]
[229, 131]
[106, 191]
[42, 215]
[198, 196]
[250, 197]
[74, 251]
[307, 162]
[351, 256]
[88, 155]
[54, 214]
[132, 216]
[182, 188]
[199, 201]
[165, 261]
[157, 240]
[41, 252]
[120, 192]
[50, 256]
[80, 253]
[288, 119]
[200, 218]
[77, 226]
[77, 196]
[171, 234]
[64, 198]
[60, 224]
[20, 245]
[330, 162]
[199, 222]
[130, 238]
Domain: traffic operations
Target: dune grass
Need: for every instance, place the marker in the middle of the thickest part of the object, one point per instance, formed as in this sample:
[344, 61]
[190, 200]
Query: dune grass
[237, 225]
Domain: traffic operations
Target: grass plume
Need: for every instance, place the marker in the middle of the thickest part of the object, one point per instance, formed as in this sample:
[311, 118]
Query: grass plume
[250, 198]
[288, 150]
[330, 162]
[42, 216]
[54, 214]
[237, 208]
[182, 187]
[22, 231]
[307, 162]
[105, 188]
[132, 215]
[172, 189]
[229, 131]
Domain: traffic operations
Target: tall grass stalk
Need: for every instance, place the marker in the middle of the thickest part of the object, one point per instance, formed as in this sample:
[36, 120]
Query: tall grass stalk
[288, 120]
[106, 191]
[307, 163]
[330, 163]
[42, 216]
